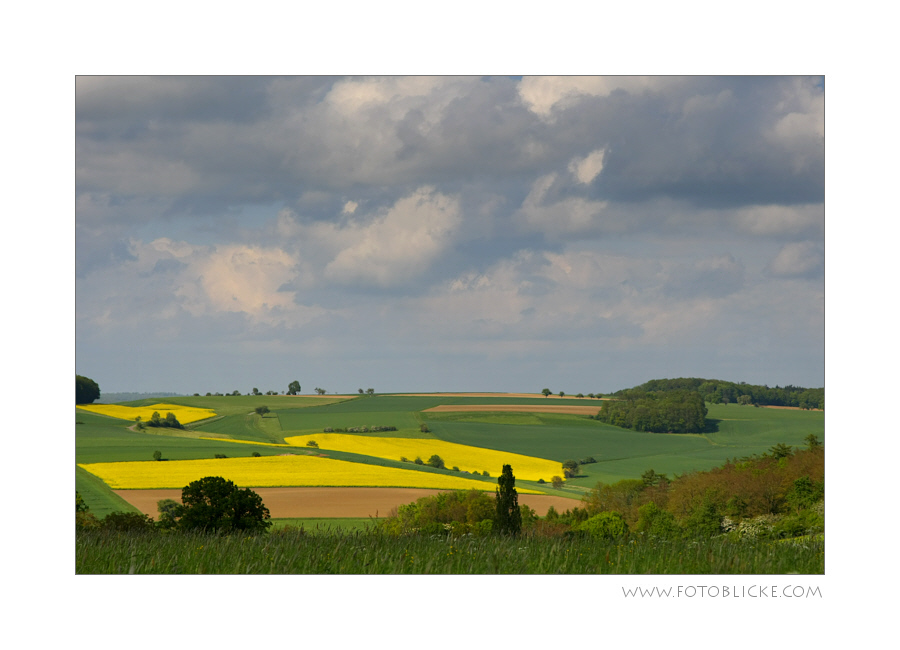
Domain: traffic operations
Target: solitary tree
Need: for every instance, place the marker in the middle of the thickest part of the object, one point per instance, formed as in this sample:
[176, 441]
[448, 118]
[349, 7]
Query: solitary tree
[262, 410]
[546, 392]
[370, 391]
[570, 468]
[86, 390]
[320, 391]
[293, 387]
[436, 461]
[214, 504]
[509, 518]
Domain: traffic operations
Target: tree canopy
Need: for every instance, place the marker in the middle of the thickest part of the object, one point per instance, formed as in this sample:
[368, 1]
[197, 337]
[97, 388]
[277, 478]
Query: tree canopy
[677, 411]
[214, 504]
[86, 390]
[293, 387]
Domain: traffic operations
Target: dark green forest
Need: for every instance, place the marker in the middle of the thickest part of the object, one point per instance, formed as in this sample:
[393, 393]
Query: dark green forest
[716, 391]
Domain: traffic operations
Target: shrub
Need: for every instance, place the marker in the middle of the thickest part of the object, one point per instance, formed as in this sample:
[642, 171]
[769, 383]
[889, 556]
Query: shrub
[157, 455]
[570, 468]
[261, 410]
[424, 428]
[656, 521]
[312, 443]
[557, 482]
[127, 522]
[169, 513]
[541, 481]
[436, 461]
[221, 456]
[606, 525]
[419, 461]
[255, 454]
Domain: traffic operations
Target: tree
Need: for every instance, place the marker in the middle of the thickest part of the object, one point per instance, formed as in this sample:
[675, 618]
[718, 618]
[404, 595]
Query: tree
[360, 391]
[436, 461]
[86, 390]
[509, 518]
[261, 410]
[370, 391]
[557, 482]
[781, 450]
[157, 455]
[169, 513]
[293, 387]
[812, 441]
[214, 504]
[570, 468]
[320, 391]
[546, 392]
[562, 393]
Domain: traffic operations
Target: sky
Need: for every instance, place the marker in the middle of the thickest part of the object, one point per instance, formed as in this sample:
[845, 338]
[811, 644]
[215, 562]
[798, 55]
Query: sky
[583, 234]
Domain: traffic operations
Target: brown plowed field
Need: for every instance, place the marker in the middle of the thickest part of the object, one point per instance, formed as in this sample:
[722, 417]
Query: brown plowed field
[517, 408]
[335, 502]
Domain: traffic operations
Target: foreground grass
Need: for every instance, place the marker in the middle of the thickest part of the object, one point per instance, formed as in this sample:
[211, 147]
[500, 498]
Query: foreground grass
[291, 551]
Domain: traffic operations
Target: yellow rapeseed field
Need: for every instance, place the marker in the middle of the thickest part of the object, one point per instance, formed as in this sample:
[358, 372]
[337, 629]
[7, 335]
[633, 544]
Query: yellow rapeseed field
[184, 414]
[467, 458]
[274, 471]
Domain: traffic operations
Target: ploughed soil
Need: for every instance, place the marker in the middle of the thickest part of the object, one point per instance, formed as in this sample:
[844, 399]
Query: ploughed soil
[335, 501]
[517, 408]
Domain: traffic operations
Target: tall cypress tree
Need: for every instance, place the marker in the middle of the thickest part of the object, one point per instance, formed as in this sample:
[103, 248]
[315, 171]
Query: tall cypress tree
[509, 518]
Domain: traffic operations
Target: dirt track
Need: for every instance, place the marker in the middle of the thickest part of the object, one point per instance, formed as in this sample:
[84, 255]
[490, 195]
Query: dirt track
[335, 502]
[516, 408]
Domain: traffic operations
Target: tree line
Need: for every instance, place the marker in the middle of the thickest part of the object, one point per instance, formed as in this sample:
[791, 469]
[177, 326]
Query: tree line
[716, 391]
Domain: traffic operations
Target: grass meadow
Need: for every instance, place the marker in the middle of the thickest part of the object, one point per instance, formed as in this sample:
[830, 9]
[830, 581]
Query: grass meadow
[292, 551]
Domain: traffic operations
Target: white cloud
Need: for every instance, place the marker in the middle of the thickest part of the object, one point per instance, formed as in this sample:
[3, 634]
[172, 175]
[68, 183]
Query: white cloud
[588, 168]
[544, 94]
[397, 245]
[571, 215]
[797, 260]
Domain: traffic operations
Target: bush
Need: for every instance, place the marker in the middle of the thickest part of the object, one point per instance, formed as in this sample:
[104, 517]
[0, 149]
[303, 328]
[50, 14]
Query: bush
[605, 526]
[312, 443]
[255, 454]
[169, 513]
[436, 461]
[419, 461]
[157, 455]
[570, 468]
[127, 522]
[424, 428]
[557, 482]
[261, 410]
[221, 456]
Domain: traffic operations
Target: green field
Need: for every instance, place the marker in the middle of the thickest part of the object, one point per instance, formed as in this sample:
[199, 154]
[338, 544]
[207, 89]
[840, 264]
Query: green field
[733, 431]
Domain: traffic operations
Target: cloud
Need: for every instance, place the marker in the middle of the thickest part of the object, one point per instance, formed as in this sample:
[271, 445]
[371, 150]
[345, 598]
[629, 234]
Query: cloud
[397, 245]
[588, 168]
[781, 220]
[543, 95]
[544, 211]
[800, 260]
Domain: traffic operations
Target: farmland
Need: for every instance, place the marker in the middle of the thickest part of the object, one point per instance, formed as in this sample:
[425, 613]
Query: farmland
[355, 472]
[110, 454]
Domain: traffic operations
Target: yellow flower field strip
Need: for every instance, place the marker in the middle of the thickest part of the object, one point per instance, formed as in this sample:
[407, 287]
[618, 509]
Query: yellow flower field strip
[184, 414]
[275, 471]
[467, 458]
